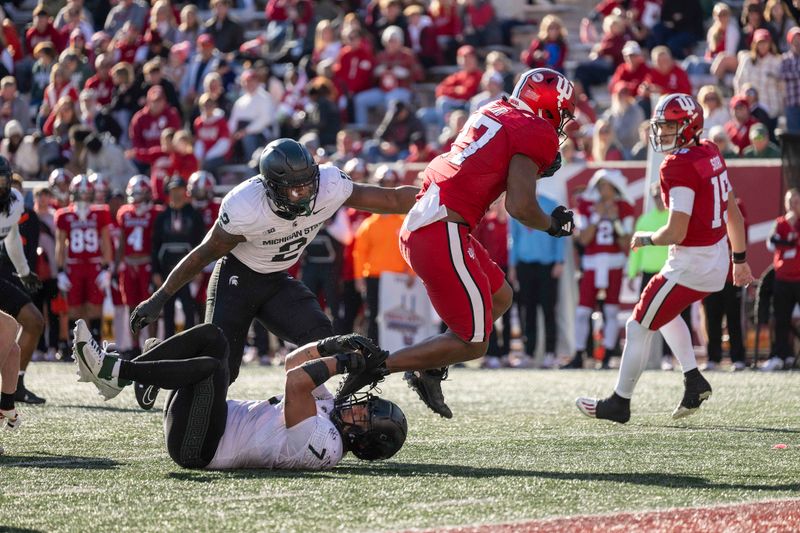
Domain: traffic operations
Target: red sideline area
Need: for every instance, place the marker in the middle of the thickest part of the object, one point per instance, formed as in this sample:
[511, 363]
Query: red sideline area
[774, 516]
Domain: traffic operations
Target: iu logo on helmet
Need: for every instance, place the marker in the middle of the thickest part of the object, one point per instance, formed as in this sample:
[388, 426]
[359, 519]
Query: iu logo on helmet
[564, 88]
[686, 103]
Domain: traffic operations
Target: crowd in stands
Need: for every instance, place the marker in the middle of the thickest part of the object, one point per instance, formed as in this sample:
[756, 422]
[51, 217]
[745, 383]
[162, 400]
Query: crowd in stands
[169, 88]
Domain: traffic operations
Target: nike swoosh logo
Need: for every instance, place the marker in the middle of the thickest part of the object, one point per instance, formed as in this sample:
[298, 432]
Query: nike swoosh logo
[79, 346]
[320, 211]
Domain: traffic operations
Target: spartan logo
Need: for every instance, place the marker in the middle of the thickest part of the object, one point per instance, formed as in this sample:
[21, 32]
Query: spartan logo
[564, 88]
[233, 281]
[686, 103]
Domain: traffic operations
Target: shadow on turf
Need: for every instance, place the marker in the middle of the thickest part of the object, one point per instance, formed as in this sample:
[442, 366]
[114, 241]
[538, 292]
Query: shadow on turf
[211, 476]
[657, 479]
[104, 408]
[737, 429]
[66, 462]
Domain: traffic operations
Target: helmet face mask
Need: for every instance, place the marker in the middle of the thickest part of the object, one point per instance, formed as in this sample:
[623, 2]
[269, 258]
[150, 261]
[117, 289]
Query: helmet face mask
[139, 192]
[290, 177]
[372, 428]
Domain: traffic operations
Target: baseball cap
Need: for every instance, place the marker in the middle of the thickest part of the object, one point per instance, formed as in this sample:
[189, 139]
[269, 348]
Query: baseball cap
[13, 127]
[205, 39]
[790, 36]
[466, 50]
[175, 182]
[761, 34]
[155, 92]
[758, 131]
[622, 86]
[631, 48]
[738, 99]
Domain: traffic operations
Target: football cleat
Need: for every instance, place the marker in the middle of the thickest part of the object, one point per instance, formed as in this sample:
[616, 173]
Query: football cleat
[606, 409]
[428, 385]
[146, 394]
[23, 395]
[95, 363]
[11, 419]
[696, 391]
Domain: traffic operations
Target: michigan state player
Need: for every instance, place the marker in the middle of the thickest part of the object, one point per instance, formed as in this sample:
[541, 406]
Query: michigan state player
[263, 227]
[302, 429]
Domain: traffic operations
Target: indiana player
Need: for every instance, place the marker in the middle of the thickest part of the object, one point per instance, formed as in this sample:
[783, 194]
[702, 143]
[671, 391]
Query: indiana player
[301, 429]
[505, 146]
[59, 180]
[702, 211]
[136, 219]
[605, 225]
[83, 252]
[263, 227]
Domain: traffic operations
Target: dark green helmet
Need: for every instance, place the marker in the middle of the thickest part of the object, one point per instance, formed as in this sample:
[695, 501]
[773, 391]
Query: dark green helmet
[290, 176]
[377, 434]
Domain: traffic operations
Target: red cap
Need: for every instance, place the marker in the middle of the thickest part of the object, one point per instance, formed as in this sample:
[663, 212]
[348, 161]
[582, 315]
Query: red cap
[155, 92]
[623, 85]
[466, 50]
[205, 39]
[761, 34]
[790, 36]
[739, 99]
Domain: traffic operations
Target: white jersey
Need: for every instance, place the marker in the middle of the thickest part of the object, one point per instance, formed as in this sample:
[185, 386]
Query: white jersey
[273, 243]
[256, 437]
[15, 211]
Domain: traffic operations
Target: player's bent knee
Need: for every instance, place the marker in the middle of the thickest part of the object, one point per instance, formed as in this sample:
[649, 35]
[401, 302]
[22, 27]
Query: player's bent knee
[31, 319]
[502, 300]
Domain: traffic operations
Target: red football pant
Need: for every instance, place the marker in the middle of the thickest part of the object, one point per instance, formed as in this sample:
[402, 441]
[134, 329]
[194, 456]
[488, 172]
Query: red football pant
[135, 284]
[84, 285]
[588, 288]
[662, 300]
[458, 274]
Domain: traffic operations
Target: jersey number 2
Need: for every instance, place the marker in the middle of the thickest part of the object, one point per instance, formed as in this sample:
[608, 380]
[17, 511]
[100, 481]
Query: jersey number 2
[290, 250]
[721, 189]
[478, 131]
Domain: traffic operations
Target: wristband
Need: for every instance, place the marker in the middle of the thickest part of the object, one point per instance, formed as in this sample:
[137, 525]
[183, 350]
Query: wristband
[739, 257]
[647, 240]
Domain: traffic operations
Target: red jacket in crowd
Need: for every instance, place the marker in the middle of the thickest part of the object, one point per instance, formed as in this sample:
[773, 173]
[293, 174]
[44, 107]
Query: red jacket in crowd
[405, 59]
[479, 15]
[182, 164]
[12, 40]
[353, 67]
[632, 76]
[276, 10]
[674, 81]
[447, 23]
[611, 47]
[461, 85]
[213, 134]
[740, 133]
[52, 94]
[145, 129]
[34, 37]
[103, 89]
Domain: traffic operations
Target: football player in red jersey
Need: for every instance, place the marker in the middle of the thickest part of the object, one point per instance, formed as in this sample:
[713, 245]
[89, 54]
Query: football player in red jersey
[136, 220]
[702, 211]
[605, 225]
[505, 146]
[59, 181]
[201, 190]
[83, 252]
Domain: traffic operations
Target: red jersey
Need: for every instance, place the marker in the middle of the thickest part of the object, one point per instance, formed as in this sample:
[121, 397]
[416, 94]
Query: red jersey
[137, 229]
[34, 37]
[739, 134]
[103, 88]
[461, 85]
[786, 259]
[84, 235]
[145, 129]
[210, 130]
[473, 173]
[702, 169]
[633, 76]
[674, 81]
[605, 235]
[182, 164]
[209, 213]
[353, 68]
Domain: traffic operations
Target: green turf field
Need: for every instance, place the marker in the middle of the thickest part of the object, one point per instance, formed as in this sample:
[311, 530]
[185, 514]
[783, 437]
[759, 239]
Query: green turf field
[516, 449]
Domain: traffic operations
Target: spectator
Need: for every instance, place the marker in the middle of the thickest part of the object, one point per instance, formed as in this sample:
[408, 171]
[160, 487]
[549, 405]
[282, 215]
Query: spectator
[106, 157]
[353, 68]
[182, 162]
[752, 21]
[59, 87]
[129, 46]
[348, 147]
[447, 25]
[624, 116]
[714, 111]
[680, 28]
[148, 123]
[189, 29]
[163, 23]
[42, 30]
[9, 33]
[639, 150]
[604, 143]
[393, 136]
[176, 230]
[326, 43]
[501, 64]
[291, 18]
[455, 91]
[760, 145]
[480, 23]
[20, 150]
[76, 69]
[633, 70]
[375, 252]
[549, 49]
[396, 70]
[133, 11]
[254, 115]
[718, 136]
[666, 77]
[605, 56]
[323, 116]
[455, 123]
[790, 74]
[12, 106]
[204, 62]
[63, 116]
[761, 66]
[226, 33]
[422, 36]
[758, 111]
[64, 14]
[388, 13]
[175, 68]
[536, 262]
[723, 36]
[778, 22]
[419, 151]
[738, 128]
[492, 82]
[160, 160]
[101, 82]
[75, 29]
[786, 291]
[125, 96]
[154, 75]
[213, 136]
[45, 56]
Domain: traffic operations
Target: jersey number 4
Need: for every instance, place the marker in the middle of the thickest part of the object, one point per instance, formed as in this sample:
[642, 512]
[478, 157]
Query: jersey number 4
[477, 132]
[721, 189]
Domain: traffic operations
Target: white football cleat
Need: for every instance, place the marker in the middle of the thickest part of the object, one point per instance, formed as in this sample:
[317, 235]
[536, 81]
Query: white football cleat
[587, 406]
[91, 360]
[11, 419]
[772, 364]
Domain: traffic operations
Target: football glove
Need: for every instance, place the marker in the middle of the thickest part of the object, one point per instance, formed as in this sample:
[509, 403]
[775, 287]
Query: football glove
[562, 223]
[552, 169]
[103, 280]
[64, 284]
[31, 282]
[147, 312]
[352, 342]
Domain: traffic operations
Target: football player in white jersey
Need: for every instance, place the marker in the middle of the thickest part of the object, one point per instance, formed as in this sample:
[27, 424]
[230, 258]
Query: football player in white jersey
[301, 429]
[264, 225]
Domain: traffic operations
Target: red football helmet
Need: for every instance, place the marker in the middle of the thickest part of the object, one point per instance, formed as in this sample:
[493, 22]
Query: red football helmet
[81, 189]
[60, 180]
[547, 94]
[685, 112]
[138, 189]
[102, 187]
[201, 185]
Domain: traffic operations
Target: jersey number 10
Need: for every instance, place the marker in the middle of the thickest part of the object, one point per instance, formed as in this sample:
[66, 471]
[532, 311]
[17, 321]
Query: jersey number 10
[721, 189]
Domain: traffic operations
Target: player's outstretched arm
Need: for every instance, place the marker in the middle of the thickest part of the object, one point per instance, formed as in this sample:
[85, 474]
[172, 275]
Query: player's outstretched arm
[377, 199]
[742, 276]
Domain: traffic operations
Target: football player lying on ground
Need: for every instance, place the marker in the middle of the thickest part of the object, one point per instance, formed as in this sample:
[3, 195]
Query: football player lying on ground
[302, 429]
[702, 213]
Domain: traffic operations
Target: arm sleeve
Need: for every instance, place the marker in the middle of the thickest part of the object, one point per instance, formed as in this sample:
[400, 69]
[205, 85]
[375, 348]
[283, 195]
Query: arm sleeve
[681, 199]
[13, 244]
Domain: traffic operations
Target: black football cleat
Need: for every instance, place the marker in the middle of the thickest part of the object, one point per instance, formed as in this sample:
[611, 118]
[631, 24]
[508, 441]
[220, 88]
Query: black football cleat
[428, 385]
[575, 363]
[696, 391]
[611, 408]
[23, 395]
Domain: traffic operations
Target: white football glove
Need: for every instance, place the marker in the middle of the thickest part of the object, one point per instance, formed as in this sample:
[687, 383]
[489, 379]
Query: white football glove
[64, 284]
[103, 280]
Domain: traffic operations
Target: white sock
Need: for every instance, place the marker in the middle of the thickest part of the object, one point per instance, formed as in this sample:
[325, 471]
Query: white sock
[582, 325]
[611, 326]
[678, 337]
[634, 357]
[115, 369]
[21, 373]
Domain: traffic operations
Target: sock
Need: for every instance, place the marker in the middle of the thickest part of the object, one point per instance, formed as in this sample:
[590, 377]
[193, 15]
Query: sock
[96, 327]
[617, 398]
[6, 401]
[678, 337]
[634, 357]
[611, 326]
[168, 374]
[583, 315]
[21, 380]
[115, 369]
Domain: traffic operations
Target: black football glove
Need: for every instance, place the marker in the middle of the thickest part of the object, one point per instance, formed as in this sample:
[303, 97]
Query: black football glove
[31, 282]
[552, 169]
[147, 312]
[352, 362]
[562, 223]
[352, 342]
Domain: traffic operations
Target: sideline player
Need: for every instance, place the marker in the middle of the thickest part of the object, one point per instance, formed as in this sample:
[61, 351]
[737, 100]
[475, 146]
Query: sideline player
[505, 146]
[302, 429]
[702, 211]
[264, 225]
